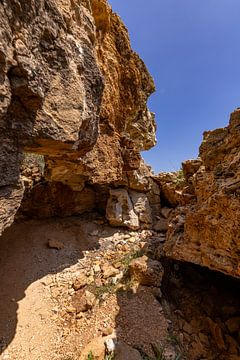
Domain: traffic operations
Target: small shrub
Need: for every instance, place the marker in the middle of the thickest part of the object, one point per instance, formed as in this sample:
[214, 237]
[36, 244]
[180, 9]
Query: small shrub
[180, 178]
[32, 159]
[99, 291]
[90, 356]
[109, 357]
[127, 259]
[158, 353]
[173, 339]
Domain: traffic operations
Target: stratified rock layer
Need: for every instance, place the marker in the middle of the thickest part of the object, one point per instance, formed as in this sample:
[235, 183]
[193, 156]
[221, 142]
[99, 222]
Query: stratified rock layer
[206, 229]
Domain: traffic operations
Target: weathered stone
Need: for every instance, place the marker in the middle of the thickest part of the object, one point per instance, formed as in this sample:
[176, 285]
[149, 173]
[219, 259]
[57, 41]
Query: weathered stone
[154, 199]
[141, 207]
[173, 189]
[56, 199]
[165, 212]
[110, 346]
[217, 334]
[80, 282]
[96, 348]
[120, 211]
[140, 179]
[109, 271]
[233, 345]
[146, 271]
[83, 300]
[190, 167]
[10, 201]
[66, 94]
[210, 235]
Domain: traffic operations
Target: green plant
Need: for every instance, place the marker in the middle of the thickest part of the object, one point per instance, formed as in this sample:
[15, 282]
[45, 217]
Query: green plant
[173, 339]
[32, 159]
[180, 178]
[99, 291]
[126, 260]
[158, 353]
[90, 356]
[109, 357]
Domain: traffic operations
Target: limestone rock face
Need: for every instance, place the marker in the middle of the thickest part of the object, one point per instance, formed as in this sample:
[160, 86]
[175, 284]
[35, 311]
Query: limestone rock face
[53, 83]
[140, 179]
[10, 200]
[175, 190]
[125, 124]
[72, 90]
[129, 208]
[141, 207]
[207, 231]
[120, 210]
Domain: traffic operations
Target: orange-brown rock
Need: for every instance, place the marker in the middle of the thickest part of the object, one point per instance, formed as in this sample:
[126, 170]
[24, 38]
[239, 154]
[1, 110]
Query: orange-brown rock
[146, 271]
[72, 90]
[207, 231]
[56, 199]
[174, 188]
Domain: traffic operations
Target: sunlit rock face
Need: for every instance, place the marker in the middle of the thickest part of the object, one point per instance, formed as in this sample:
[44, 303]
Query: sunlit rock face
[206, 229]
[72, 90]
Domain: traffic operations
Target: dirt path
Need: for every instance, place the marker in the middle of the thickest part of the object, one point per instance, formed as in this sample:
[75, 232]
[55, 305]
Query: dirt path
[28, 268]
[59, 301]
[36, 290]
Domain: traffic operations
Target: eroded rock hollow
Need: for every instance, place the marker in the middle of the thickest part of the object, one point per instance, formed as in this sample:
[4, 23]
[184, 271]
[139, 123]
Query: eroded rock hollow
[105, 233]
[73, 91]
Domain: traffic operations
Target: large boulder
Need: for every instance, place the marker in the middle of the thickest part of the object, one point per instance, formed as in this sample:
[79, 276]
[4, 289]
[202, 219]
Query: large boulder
[120, 210]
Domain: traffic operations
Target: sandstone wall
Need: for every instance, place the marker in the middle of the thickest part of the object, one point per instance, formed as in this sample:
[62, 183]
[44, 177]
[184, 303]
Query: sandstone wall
[204, 227]
[72, 90]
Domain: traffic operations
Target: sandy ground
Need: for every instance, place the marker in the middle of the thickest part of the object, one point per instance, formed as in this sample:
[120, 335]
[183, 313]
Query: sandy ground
[28, 270]
[36, 289]
[36, 317]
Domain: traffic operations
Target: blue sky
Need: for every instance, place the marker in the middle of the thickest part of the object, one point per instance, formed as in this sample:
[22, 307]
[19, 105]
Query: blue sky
[192, 50]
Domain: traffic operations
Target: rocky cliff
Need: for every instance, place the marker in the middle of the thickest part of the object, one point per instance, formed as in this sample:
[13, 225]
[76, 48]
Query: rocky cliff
[73, 91]
[204, 227]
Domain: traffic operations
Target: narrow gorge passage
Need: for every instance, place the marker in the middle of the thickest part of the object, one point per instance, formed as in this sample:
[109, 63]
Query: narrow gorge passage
[100, 258]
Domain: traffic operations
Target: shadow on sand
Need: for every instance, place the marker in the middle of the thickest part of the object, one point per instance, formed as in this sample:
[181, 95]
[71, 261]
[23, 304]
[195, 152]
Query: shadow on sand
[25, 257]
